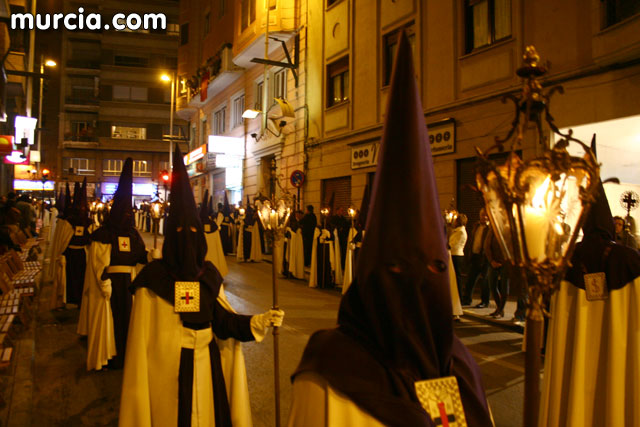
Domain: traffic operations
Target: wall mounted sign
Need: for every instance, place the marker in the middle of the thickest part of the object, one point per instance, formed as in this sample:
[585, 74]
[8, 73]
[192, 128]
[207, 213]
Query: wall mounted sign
[365, 155]
[442, 137]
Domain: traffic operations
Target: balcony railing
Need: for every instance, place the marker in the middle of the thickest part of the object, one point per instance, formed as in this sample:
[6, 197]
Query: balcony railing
[80, 138]
[75, 100]
[83, 63]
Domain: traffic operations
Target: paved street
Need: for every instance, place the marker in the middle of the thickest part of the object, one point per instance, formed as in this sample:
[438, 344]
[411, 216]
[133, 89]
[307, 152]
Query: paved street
[66, 394]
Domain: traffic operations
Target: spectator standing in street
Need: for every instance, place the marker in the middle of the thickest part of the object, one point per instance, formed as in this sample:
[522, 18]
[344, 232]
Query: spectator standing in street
[457, 241]
[623, 236]
[477, 261]
[497, 274]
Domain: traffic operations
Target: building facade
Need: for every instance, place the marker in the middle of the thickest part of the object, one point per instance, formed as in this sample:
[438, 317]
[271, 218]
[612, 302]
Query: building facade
[113, 103]
[220, 80]
[466, 54]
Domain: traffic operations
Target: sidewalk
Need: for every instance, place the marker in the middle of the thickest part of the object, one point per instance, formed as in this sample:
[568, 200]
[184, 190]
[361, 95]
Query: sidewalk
[482, 315]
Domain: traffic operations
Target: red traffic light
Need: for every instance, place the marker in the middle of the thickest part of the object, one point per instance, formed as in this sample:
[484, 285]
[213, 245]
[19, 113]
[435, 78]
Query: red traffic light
[45, 172]
[165, 176]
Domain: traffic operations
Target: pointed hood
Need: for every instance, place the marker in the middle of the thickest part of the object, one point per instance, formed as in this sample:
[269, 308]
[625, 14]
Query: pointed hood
[364, 207]
[67, 205]
[121, 214]
[204, 208]
[226, 209]
[60, 203]
[184, 247]
[210, 207]
[598, 252]
[599, 218]
[248, 214]
[398, 307]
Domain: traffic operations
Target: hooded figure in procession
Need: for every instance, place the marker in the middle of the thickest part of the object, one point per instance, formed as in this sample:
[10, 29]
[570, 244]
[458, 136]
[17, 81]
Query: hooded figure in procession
[116, 248]
[173, 374]
[59, 241]
[592, 359]
[215, 252]
[395, 327]
[224, 222]
[354, 239]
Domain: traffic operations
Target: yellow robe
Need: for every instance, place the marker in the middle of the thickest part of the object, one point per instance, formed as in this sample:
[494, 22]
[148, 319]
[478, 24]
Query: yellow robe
[592, 362]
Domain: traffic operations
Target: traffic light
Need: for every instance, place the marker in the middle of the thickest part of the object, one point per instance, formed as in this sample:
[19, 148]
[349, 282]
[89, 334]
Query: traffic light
[45, 174]
[165, 176]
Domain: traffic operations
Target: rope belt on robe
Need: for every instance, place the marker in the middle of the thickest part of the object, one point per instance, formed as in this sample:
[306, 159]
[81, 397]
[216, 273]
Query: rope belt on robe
[76, 247]
[195, 338]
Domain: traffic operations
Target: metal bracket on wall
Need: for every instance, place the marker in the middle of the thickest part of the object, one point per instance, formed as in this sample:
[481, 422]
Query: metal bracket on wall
[293, 66]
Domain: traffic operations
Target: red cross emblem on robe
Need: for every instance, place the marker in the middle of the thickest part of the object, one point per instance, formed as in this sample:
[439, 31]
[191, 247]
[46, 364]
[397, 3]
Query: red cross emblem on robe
[187, 297]
[124, 244]
[440, 397]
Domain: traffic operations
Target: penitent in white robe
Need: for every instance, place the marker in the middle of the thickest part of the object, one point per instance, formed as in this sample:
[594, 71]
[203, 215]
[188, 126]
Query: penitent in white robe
[58, 263]
[215, 253]
[337, 257]
[317, 404]
[256, 246]
[152, 364]
[453, 287]
[592, 362]
[240, 244]
[296, 255]
[96, 318]
[348, 261]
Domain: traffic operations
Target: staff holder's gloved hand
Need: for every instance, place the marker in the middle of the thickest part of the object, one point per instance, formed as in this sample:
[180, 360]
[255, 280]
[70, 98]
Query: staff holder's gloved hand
[260, 323]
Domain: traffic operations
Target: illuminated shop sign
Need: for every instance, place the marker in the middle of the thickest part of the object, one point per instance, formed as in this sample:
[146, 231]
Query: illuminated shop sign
[195, 155]
[226, 145]
[139, 189]
[25, 128]
[16, 158]
[28, 185]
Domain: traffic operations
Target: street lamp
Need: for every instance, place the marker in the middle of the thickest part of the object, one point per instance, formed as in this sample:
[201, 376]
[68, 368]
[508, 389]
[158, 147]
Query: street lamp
[274, 215]
[171, 78]
[536, 209]
[43, 63]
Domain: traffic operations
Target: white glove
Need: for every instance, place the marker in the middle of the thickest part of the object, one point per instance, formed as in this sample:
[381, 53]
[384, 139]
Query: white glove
[106, 289]
[260, 323]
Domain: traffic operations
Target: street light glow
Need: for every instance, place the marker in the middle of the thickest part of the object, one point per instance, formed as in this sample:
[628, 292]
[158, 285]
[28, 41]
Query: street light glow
[165, 78]
[50, 63]
[250, 114]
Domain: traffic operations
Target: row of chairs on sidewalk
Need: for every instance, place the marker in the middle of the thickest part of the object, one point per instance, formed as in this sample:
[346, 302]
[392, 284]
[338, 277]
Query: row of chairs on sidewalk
[19, 273]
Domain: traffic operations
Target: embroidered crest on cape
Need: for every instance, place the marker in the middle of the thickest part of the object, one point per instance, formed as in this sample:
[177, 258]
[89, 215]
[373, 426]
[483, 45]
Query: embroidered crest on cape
[79, 230]
[207, 228]
[187, 297]
[440, 397]
[595, 284]
[124, 244]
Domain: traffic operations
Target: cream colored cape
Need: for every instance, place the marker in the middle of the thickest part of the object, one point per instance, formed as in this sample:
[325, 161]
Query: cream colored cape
[256, 247]
[316, 404]
[337, 256]
[592, 362]
[313, 270]
[97, 321]
[152, 363]
[348, 261]
[296, 255]
[240, 246]
[215, 254]
[58, 263]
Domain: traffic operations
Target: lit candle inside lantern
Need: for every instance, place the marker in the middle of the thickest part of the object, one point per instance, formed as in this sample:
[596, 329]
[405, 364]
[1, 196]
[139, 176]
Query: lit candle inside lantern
[273, 219]
[536, 222]
[242, 211]
[352, 212]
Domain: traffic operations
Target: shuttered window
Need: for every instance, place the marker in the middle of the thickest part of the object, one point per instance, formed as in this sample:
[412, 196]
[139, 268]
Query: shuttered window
[341, 187]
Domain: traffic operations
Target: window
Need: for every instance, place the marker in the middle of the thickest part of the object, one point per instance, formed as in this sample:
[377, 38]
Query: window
[207, 20]
[259, 94]
[173, 29]
[128, 132]
[141, 168]
[130, 61]
[221, 7]
[247, 13]
[236, 113]
[81, 166]
[338, 81]
[487, 21]
[184, 34]
[615, 11]
[112, 167]
[280, 84]
[130, 93]
[390, 47]
[219, 121]
[205, 132]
